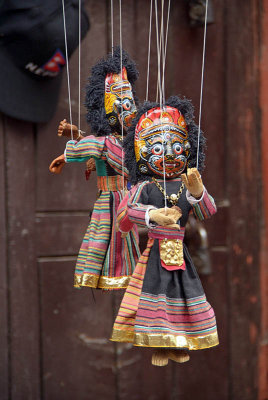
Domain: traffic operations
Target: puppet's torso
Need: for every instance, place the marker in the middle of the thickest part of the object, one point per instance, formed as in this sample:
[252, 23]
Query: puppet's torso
[105, 260]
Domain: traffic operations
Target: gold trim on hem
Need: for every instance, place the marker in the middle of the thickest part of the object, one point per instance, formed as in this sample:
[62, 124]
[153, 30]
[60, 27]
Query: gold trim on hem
[119, 335]
[165, 340]
[89, 280]
[102, 282]
[117, 282]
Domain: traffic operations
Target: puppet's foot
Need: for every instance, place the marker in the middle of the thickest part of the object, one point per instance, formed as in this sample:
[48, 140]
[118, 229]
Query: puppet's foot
[179, 356]
[160, 358]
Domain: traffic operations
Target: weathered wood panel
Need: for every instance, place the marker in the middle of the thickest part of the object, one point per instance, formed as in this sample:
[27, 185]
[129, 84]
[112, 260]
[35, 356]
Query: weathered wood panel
[184, 69]
[78, 358]
[263, 85]
[4, 324]
[23, 277]
[244, 191]
[60, 234]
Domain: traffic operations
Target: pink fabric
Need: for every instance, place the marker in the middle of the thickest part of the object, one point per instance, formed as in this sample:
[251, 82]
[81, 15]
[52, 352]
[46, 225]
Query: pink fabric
[173, 267]
[176, 318]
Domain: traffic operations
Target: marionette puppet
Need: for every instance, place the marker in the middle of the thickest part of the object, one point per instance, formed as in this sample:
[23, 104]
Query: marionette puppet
[164, 306]
[105, 260]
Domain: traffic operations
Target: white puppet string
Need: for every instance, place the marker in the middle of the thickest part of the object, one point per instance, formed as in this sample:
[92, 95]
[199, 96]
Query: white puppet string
[67, 67]
[202, 84]
[121, 68]
[79, 68]
[112, 26]
[149, 51]
[164, 53]
[161, 39]
[160, 87]
[161, 50]
[162, 94]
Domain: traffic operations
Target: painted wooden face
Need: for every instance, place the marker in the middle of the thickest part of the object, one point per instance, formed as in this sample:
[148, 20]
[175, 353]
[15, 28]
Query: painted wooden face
[161, 143]
[119, 101]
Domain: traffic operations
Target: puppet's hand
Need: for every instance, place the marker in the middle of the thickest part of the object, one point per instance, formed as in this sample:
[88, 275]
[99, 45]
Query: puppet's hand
[57, 164]
[65, 129]
[61, 127]
[166, 216]
[123, 234]
[174, 212]
[193, 182]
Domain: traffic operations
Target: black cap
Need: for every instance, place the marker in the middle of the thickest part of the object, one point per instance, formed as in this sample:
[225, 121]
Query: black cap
[32, 54]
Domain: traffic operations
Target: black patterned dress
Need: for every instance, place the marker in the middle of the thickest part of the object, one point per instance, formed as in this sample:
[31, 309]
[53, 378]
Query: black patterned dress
[165, 304]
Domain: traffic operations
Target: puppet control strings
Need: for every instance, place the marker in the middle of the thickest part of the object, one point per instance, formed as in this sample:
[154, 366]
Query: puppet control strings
[67, 67]
[160, 88]
[121, 69]
[79, 67]
[202, 82]
[161, 52]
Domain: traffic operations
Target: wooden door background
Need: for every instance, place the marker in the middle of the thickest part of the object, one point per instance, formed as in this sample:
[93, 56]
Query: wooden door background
[54, 338]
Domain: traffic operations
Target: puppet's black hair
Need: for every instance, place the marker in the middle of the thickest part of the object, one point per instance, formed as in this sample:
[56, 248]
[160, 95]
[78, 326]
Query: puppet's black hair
[186, 108]
[94, 102]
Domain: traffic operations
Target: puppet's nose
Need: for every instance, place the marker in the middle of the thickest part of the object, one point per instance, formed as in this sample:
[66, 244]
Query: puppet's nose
[169, 152]
[169, 157]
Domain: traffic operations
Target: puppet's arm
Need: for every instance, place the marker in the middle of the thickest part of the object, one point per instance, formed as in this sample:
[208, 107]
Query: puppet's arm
[87, 148]
[66, 129]
[203, 204]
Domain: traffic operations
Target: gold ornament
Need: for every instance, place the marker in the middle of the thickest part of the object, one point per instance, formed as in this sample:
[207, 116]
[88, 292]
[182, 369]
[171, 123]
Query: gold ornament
[173, 198]
[171, 251]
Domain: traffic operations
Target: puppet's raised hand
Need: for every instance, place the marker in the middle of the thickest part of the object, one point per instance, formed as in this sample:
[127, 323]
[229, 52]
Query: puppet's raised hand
[64, 129]
[57, 164]
[166, 216]
[193, 182]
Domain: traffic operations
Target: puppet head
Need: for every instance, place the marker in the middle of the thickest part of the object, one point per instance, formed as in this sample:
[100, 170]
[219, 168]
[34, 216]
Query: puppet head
[119, 101]
[110, 96]
[163, 140]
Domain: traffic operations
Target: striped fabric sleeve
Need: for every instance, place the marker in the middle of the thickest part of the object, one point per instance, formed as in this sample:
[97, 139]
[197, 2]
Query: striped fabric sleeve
[138, 205]
[90, 146]
[114, 155]
[204, 208]
[125, 225]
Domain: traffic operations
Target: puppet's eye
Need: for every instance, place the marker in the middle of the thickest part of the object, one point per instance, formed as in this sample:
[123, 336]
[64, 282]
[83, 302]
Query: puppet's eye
[157, 149]
[177, 148]
[127, 105]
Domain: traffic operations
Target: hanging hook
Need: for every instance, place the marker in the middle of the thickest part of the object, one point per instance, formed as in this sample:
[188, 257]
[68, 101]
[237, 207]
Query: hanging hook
[197, 11]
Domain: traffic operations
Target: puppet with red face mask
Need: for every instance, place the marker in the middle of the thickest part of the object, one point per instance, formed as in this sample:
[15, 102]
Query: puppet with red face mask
[164, 306]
